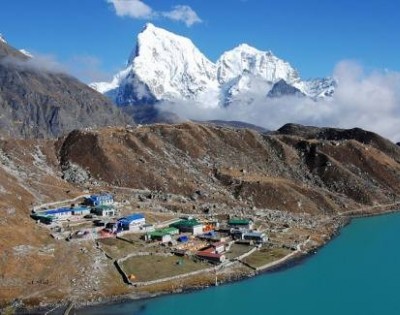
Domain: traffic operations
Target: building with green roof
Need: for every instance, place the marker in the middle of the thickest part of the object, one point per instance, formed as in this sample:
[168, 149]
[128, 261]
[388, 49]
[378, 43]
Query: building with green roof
[162, 235]
[240, 223]
[189, 226]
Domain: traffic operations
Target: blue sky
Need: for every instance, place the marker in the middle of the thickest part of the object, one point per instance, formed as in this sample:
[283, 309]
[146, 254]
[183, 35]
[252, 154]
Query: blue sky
[313, 35]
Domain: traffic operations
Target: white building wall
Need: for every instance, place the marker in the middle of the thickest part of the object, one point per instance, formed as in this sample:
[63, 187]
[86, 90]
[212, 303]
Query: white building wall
[197, 229]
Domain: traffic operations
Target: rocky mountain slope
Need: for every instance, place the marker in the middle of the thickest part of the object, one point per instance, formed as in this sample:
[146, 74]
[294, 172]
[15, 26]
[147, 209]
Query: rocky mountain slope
[322, 172]
[168, 67]
[39, 103]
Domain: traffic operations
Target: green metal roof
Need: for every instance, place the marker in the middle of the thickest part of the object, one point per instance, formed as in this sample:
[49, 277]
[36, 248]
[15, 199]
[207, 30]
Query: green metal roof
[170, 230]
[157, 234]
[238, 221]
[185, 223]
[39, 216]
[163, 232]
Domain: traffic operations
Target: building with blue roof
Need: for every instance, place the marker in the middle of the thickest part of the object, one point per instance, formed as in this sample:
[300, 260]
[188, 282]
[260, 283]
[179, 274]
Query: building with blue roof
[63, 212]
[100, 200]
[131, 222]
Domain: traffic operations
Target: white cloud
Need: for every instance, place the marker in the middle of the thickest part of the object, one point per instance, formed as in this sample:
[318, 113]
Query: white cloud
[132, 8]
[137, 9]
[43, 63]
[84, 67]
[367, 100]
[183, 13]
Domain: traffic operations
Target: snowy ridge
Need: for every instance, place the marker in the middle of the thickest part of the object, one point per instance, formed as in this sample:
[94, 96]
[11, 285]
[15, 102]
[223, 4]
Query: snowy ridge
[26, 53]
[264, 64]
[168, 67]
[2, 39]
[172, 66]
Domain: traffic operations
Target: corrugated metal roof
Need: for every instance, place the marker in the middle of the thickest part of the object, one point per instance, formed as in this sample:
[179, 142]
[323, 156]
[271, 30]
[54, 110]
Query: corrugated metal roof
[63, 210]
[55, 211]
[254, 234]
[170, 230]
[101, 197]
[162, 232]
[130, 218]
[238, 221]
[186, 223]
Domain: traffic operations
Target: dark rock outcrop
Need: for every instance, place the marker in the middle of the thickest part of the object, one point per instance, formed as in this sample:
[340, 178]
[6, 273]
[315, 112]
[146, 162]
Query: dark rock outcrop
[282, 88]
[236, 124]
[336, 134]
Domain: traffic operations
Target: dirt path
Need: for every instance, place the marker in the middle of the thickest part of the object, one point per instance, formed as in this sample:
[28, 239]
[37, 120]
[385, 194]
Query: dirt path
[60, 202]
[368, 210]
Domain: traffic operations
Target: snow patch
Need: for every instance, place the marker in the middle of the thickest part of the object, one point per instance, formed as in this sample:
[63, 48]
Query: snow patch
[2, 39]
[26, 53]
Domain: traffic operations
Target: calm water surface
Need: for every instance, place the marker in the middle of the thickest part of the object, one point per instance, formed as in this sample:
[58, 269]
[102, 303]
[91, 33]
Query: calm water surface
[357, 273]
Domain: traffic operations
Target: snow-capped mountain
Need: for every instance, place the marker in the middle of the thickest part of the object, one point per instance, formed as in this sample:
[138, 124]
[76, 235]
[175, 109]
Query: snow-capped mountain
[319, 88]
[263, 64]
[168, 67]
[164, 66]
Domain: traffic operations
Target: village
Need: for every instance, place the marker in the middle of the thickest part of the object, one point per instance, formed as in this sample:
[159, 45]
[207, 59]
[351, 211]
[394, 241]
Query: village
[148, 247]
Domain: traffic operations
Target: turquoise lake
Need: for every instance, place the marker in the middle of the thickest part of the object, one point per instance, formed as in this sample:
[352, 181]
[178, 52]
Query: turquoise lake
[356, 273]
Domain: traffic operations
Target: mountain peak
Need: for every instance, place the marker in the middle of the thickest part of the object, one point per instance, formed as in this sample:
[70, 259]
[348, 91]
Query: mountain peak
[151, 27]
[148, 25]
[245, 58]
[151, 30]
[155, 38]
[163, 66]
[244, 47]
[168, 67]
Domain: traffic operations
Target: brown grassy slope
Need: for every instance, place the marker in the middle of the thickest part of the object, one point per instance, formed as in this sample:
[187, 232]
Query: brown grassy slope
[30, 259]
[281, 171]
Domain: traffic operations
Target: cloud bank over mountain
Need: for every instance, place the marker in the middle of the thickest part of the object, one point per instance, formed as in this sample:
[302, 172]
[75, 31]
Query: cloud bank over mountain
[169, 72]
[361, 99]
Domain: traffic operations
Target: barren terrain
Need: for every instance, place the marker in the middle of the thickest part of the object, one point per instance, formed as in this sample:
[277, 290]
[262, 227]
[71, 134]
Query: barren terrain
[298, 180]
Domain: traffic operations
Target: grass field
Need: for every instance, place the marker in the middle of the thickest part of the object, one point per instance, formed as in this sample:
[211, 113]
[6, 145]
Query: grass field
[153, 267]
[117, 248]
[265, 256]
[237, 250]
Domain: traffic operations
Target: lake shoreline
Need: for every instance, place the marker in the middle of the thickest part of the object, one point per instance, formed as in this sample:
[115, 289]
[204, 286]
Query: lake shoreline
[286, 263]
[60, 308]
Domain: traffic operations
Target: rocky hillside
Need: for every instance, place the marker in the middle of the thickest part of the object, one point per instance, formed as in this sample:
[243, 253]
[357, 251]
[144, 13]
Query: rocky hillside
[190, 168]
[41, 103]
[298, 169]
